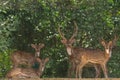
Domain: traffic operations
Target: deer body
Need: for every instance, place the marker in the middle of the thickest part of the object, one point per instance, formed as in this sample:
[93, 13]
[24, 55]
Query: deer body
[94, 57]
[22, 73]
[76, 58]
[103, 57]
[97, 57]
[21, 57]
[74, 53]
[28, 72]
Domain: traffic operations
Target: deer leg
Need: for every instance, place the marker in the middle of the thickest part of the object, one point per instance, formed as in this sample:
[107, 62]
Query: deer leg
[80, 73]
[104, 68]
[76, 74]
[79, 69]
[73, 68]
[98, 70]
[70, 69]
[22, 75]
[25, 75]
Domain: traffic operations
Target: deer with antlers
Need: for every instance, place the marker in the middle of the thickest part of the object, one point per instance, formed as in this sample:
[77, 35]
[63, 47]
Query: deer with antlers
[21, 57]
[74, 53]
[97, 56]
[28, 72]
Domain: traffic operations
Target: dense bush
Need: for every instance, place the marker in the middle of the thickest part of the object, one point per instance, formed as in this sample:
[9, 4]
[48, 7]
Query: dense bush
[23, 22]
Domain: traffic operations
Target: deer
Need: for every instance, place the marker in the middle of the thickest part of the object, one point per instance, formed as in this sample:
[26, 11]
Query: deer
[21, 57]
[74, 53]
[28, 72]
[97, 56]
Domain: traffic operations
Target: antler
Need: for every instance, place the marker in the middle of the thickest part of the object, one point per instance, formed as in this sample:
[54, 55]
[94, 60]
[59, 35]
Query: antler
[115, 39]
[61, 34]
[76, 30]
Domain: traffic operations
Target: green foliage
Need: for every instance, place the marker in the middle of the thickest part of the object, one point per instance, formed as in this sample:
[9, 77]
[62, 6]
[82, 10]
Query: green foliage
[23, 22]
[5, 63]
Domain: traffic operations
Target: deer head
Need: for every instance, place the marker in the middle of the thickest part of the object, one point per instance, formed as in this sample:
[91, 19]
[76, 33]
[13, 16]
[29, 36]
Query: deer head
[42, 63]
[68, 42]
[37, 48]
[109, 45]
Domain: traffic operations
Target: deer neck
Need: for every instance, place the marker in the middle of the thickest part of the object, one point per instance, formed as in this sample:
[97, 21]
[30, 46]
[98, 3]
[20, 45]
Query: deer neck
[108, 53]
[69, 50]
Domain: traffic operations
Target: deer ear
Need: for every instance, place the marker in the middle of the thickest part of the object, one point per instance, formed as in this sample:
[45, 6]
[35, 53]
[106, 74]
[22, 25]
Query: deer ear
[33, 46]
[39, 60]
[46, 60]
[103, 43]
[115, 40]
[111, 44]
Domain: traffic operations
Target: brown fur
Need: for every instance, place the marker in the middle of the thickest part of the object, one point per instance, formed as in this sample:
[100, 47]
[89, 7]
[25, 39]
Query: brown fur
[24, 58]
[74, 53]
[28, 72]
[96, 57]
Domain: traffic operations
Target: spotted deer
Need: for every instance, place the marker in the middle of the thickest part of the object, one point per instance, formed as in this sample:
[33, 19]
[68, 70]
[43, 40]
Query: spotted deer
[21, 57]
[28, 72]
[97, 56]
[74, 53]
